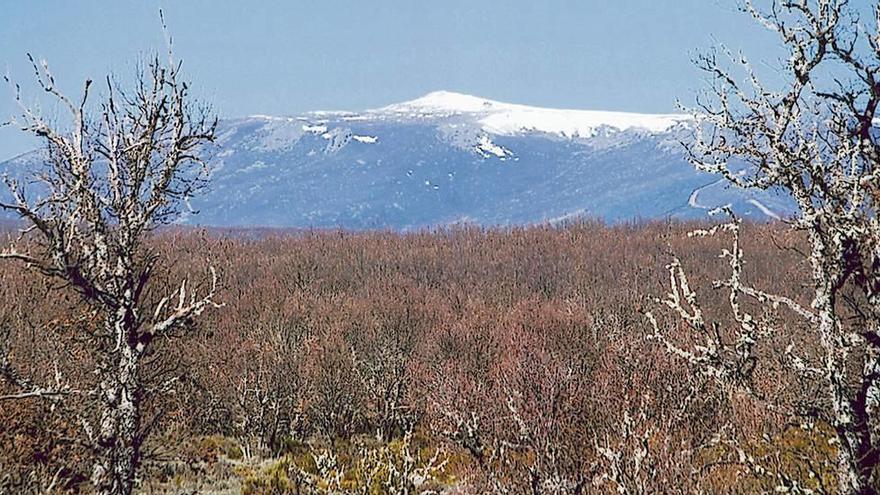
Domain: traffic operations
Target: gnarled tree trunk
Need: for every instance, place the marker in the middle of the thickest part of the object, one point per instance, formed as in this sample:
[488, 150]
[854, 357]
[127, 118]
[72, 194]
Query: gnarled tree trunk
[110, 182]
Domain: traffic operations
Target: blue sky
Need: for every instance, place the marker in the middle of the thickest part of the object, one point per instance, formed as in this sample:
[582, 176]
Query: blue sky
[284, 57]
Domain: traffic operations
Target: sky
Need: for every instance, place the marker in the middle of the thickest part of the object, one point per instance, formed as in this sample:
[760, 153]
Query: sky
[283, 57]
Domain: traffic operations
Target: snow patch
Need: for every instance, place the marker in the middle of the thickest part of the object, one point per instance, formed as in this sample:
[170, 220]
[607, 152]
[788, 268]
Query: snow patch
[337, 139]
[566, 217]
[317, 129]
[272, 118]
[510, 119]
[444, 102]
[572, 123]
[767, 211]
[486, 148]
[692, 200]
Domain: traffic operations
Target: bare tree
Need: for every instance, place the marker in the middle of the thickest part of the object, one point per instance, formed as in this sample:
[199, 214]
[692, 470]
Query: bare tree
[109, 180]
[812, 135]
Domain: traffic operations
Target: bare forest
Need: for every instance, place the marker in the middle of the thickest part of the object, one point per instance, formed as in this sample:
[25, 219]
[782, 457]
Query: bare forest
[724, 356]
[515, 360]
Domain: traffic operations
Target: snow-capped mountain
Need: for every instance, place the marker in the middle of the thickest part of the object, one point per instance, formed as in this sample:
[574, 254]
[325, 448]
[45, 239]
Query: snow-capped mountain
[448, 157]
[508, 119]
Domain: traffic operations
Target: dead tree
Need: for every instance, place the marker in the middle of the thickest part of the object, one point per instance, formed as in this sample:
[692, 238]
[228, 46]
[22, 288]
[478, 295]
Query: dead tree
[121, 169]
[811, 134]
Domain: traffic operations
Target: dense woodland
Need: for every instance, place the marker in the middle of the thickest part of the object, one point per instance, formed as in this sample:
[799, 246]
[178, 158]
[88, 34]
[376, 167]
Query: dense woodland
[513, 359]
[582, 358]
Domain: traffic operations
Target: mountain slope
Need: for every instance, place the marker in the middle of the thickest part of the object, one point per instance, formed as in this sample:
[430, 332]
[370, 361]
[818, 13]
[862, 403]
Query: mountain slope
[447, 158]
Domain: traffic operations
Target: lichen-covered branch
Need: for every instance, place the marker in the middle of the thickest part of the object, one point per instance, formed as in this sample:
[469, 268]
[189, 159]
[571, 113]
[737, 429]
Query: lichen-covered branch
[811, 136]
[119, 170]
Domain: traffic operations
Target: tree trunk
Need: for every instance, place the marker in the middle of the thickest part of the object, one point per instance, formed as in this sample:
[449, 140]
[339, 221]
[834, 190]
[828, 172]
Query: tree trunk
[857, 457]
[852, 478]
[117, 442]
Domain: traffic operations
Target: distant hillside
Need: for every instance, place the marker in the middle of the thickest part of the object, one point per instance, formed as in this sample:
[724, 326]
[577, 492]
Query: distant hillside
[447, 158]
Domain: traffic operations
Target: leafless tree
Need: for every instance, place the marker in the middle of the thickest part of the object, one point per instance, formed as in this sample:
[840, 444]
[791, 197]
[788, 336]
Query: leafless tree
[811, 134]
[108, 180]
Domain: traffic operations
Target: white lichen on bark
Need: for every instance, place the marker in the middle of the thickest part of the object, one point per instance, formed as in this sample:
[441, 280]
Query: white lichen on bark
[106, 183]
[812, 138]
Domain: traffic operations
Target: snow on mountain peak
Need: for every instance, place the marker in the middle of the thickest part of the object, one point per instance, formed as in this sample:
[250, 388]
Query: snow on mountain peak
[510, 119]
[444, 102]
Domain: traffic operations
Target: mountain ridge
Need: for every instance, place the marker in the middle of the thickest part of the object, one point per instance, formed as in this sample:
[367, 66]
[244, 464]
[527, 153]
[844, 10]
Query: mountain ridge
[448, 158]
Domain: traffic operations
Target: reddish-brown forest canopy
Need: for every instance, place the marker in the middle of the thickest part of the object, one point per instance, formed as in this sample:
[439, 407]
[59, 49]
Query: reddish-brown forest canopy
[527, 337]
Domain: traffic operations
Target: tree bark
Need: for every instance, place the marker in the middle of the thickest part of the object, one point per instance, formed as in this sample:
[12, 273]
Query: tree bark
[118, 441]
